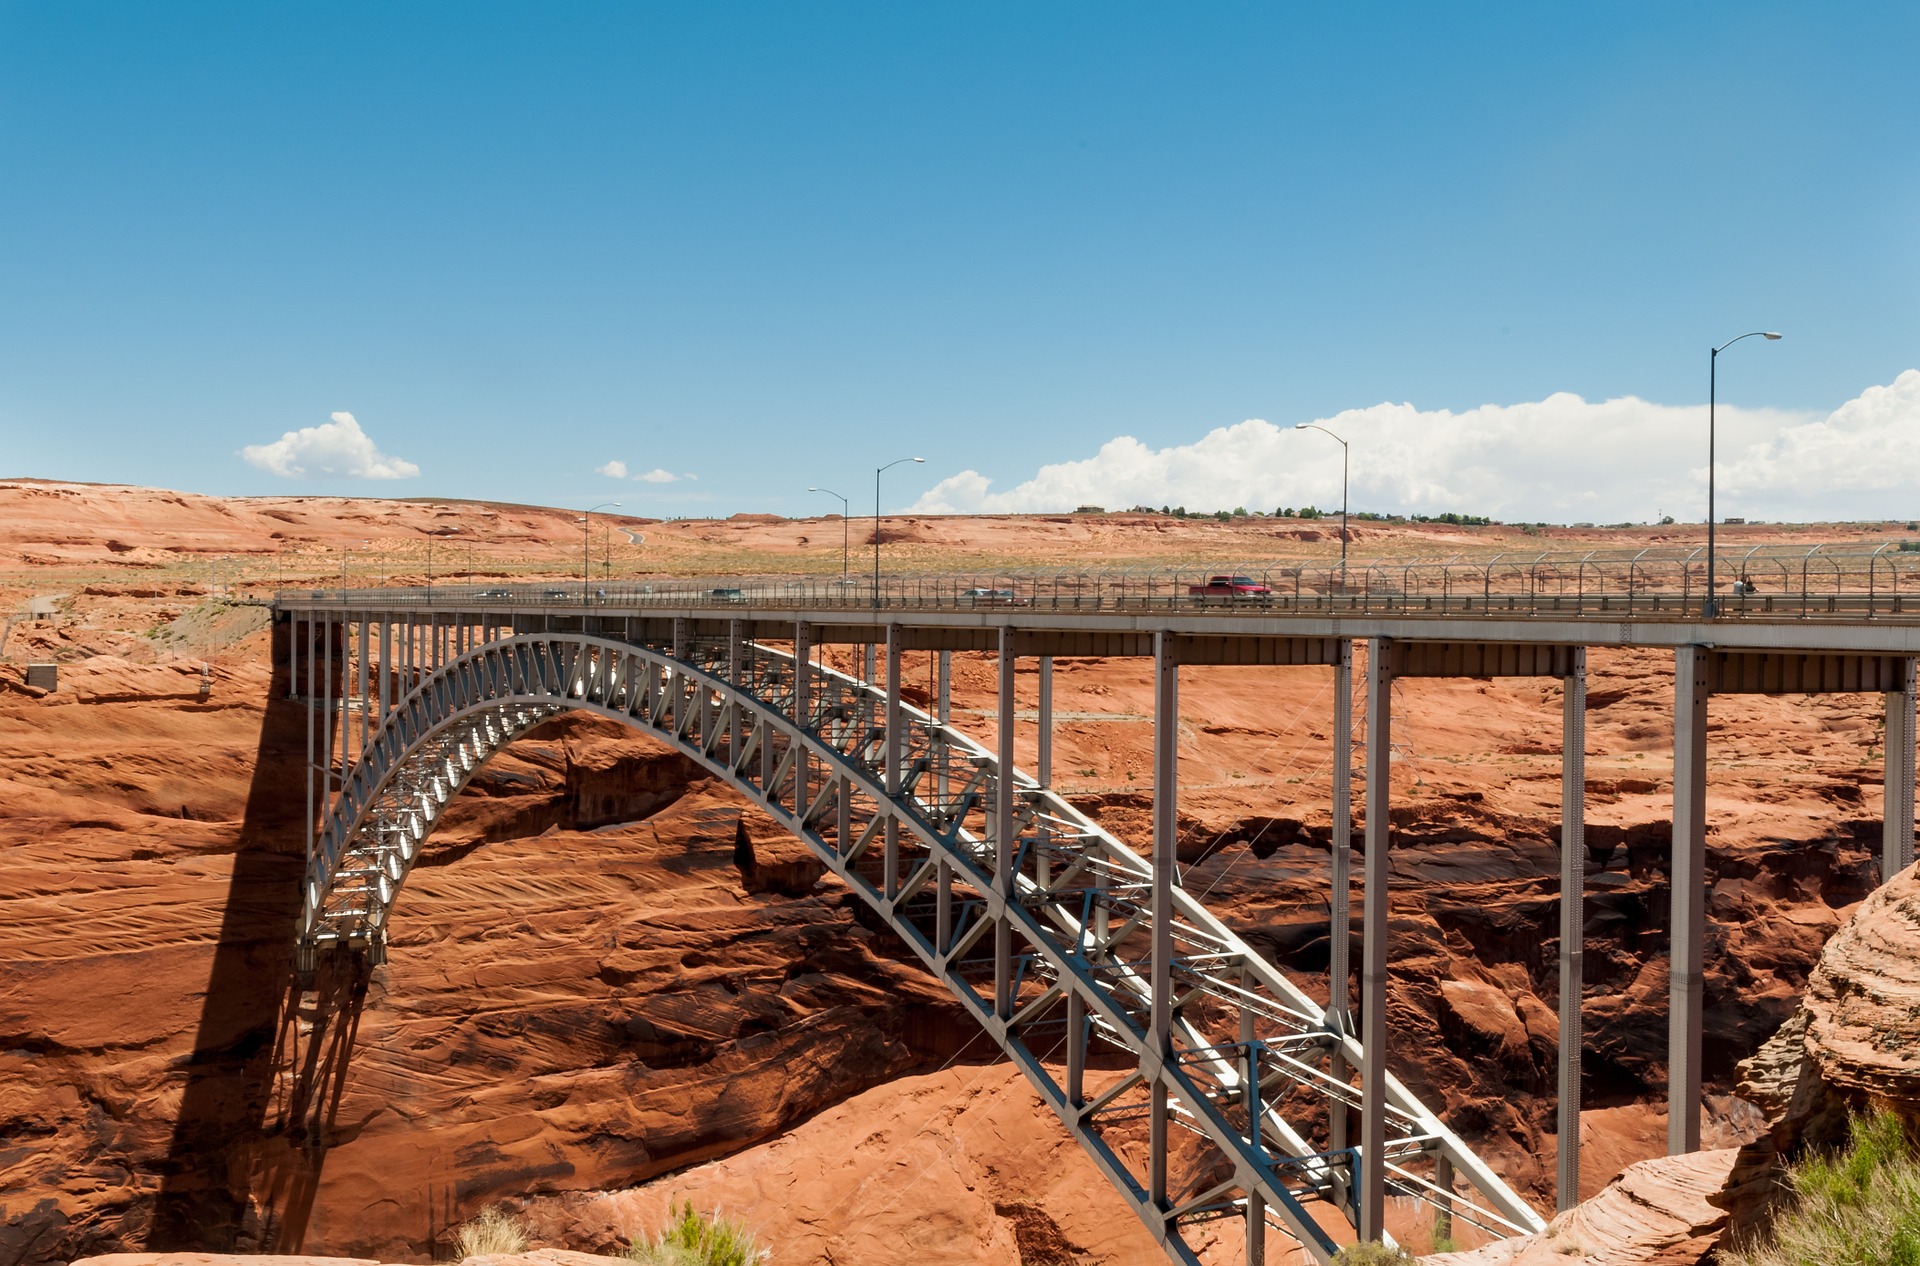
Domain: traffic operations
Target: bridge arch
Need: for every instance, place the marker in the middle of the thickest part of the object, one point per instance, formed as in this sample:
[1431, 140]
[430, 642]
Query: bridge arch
[1040, 936]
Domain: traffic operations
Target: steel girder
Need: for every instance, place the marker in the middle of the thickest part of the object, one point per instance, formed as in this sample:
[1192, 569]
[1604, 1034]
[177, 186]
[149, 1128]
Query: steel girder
[1256, 1066]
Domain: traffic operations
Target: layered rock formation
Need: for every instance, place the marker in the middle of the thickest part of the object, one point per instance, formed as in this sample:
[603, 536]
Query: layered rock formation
[1852, 1046]
[1656, 1213]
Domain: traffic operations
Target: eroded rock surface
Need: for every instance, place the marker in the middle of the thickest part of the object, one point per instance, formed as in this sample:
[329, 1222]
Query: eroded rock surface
[1656, 1213]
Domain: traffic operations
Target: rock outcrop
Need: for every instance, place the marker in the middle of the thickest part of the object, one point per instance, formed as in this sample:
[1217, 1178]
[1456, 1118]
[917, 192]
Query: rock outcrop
[1853, 1045]
[1656, 1213]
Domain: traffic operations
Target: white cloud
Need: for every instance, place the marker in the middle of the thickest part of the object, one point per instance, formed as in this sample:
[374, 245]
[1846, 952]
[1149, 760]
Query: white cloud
[1559, 459]
[618, 469]
[334, 449]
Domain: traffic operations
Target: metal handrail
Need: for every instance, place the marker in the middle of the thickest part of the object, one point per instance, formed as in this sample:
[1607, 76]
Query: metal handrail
[1867, 581]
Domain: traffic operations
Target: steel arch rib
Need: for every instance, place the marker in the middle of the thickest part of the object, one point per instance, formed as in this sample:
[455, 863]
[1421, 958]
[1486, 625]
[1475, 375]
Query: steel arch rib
[442, 732]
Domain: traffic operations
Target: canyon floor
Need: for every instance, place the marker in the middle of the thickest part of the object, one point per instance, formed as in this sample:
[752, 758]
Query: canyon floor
[589, 1012]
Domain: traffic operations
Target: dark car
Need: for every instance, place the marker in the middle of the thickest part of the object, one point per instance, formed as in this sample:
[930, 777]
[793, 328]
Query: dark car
[561, 594]
[726, 595]
[991, 598]
[495, 594]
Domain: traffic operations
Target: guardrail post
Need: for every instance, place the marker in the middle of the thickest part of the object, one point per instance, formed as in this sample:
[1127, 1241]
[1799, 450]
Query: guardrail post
[1166, 825]
[1896, 837]
[1688, 899]
[1373, 963]
[1573, 921]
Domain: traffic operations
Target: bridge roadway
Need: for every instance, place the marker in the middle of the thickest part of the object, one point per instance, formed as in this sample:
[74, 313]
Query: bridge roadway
[1062, 941]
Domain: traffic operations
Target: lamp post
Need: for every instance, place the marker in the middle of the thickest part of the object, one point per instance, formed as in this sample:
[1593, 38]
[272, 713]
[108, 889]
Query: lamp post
[1313, 426]
[586, 546]
[876, 521]
[1712, 607]
[846, 531]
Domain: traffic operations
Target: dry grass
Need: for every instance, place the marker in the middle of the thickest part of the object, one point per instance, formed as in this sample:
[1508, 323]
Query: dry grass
[699, 1239]
[1372, 1254]
[492, 1230]
[1856, 1207]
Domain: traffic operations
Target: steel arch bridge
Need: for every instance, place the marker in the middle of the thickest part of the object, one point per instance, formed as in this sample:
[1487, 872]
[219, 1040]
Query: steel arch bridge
[1067, 947]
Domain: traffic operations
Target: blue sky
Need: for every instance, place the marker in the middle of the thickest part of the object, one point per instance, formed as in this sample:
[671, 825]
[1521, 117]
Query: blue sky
[769, 246]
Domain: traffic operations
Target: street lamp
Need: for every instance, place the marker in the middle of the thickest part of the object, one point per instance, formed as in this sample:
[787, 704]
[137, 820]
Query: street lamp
[586, 546]
[1713, 388]
[846, 530]
[1313, 426]
[876, 521]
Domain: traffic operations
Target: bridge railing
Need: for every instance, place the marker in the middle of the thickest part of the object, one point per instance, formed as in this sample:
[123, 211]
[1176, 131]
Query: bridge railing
[1855, 581]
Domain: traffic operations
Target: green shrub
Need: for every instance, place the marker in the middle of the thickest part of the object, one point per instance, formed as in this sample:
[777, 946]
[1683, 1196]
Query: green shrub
[1859, 1206]
[1372, 1253]
[493, 1230]
[697, 1239]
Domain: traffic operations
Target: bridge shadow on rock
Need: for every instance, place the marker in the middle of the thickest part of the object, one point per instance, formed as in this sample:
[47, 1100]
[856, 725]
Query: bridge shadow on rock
[227, 1162]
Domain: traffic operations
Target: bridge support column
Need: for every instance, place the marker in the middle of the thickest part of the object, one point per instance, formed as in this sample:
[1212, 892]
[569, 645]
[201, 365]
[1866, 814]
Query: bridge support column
[1340, 906]
[1042, 863]
[867, 675]
[1003, 842]
[1573, 921]
[1686, 1006]
[1166, 823]
[1076, 1049]
[1255, 1211]
[942, 713]
[386, 668]
[1443, 1204]
[360, 693]
[1896, 838]
[802, 707]
[303, 658]
[1373, 963]
[737, 674]
[891, 748]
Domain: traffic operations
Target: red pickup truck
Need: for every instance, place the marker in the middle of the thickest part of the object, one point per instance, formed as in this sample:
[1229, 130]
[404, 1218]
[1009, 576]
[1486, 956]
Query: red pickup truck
[1230, 587]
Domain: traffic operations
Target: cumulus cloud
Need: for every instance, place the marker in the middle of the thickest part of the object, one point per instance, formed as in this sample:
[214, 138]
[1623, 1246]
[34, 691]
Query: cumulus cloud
[617, 469]
[336, 449]
[1559, 459]
[1862, 459]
